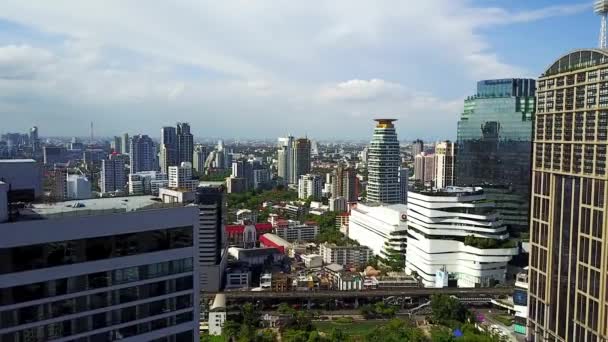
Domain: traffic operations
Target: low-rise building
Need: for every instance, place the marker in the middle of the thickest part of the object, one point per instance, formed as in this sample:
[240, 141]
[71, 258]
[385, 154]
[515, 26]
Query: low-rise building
[256, 256]
[458, 231]
[272, 240]
[217, 315]
[295, 231]
[352, 256]
[382, 228]
[147, 182]
[312, 260]
[246, 236]
[281, 282]
[238, 278]
[348, 281]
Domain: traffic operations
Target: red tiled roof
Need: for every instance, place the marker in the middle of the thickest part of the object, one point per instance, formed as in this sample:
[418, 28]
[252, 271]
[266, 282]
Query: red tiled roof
[263, 226]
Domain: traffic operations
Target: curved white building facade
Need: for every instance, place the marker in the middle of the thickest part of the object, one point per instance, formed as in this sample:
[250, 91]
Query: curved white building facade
[438, 225]
[381, 228]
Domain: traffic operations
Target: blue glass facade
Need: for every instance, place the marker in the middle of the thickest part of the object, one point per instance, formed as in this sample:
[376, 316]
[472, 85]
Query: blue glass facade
[494, 143]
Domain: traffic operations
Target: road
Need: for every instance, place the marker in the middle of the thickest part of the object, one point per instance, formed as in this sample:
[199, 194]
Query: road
[410, 292]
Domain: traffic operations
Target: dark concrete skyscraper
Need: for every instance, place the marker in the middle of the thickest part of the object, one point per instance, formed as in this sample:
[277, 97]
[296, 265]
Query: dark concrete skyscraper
[185, 143]
[168, 155]
[142, 156]
[301, 158]
[383, 164]
[568, 296]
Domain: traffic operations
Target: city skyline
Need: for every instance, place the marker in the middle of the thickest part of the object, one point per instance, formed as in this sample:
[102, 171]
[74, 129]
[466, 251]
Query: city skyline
[54, 66]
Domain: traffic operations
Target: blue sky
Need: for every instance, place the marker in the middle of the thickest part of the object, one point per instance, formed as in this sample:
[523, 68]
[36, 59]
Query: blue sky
[265, 68]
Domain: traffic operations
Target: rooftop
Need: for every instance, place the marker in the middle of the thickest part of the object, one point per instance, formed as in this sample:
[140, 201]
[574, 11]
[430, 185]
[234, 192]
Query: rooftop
[14, 161]
[96, 206]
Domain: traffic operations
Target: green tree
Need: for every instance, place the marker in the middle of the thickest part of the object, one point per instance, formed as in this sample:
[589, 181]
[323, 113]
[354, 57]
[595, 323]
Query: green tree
[448, 311]
[396, 330]
[336, 335]
[293, 335]
[251, 317]
[230, 329]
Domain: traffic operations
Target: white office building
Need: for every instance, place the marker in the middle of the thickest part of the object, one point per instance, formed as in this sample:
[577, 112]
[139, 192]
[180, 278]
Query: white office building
[180, 177]
[78, 187]
[310, 186]
[381, 228]
[295, 231]
[100, 270]
[460, 232]
[445, 152]
[147, 182]
[351, 256]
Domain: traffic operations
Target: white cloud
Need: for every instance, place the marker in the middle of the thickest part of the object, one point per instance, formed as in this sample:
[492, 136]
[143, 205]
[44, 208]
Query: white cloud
[232, 67]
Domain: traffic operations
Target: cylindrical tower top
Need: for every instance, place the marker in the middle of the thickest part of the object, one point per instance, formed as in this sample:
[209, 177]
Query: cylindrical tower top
[385, 123]
[601, 7]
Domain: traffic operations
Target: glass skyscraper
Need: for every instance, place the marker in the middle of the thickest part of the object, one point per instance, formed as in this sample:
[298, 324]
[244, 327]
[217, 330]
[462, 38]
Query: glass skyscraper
[494, 144]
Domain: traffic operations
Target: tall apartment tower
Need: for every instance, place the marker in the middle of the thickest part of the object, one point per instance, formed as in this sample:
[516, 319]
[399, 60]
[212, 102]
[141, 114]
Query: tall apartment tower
[212, 253]
[417, 147]
[424, 168]
[168, 149]
[383, 164]
[285, 159]
[185, 143]
[568, 265]
[198, 159]
[113, 176]
[444, 164]
[301, 158]
[116, 145]
[142, 153]
[126, 144]
[346, 184]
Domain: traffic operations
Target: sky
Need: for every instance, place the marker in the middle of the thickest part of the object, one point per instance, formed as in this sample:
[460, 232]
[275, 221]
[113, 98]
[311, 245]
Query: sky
[260, 69]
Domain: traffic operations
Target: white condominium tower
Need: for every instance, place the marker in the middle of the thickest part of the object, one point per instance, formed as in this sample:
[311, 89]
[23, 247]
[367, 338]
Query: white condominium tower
[383, 164]
[456, 230]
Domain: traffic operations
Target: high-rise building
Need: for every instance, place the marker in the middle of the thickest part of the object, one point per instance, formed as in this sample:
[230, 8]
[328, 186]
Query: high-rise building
[383, 164]
[261, 178]
[494, 143]
[417, 147]
[23, 177]
[458, 231]
[34, 139]
[116, 145]
[338, 204]
[444, 164]
[113, 176]
[301, 158]
[404, 176]
[310, 186]
[212, 253]
[346, 184]
[102, 270]
[285, 159]
[168, 149]
[568, 267]
[199, 158]
[185, 143]
[78, 187]
[142, 152]
[424, 169]
[125, 144]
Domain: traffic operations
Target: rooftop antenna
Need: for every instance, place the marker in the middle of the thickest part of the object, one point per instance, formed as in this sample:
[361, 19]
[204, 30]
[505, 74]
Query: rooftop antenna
[601, 8]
